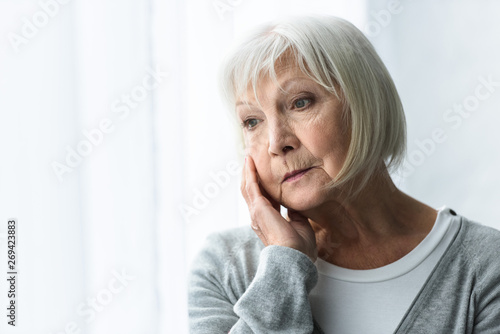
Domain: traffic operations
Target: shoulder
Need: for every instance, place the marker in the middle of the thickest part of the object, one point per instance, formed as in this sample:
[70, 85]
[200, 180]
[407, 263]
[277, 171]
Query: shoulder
[479, 246]
[479, 241]
[482, 246]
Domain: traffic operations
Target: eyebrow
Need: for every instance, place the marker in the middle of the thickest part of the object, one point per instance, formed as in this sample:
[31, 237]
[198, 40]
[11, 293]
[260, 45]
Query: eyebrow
[284, 86]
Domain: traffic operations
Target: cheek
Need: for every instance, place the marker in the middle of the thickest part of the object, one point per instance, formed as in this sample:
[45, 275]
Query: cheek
[254, 146]
[258, 150]
[261, 160]
[325, 144]
[328, 135]
[255, 140]
[328, 144]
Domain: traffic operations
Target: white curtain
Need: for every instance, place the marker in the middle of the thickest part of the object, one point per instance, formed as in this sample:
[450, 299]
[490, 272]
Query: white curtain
[79, 165]
[118, 157]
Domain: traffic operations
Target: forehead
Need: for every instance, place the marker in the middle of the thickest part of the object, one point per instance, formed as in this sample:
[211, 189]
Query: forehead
[288, 74]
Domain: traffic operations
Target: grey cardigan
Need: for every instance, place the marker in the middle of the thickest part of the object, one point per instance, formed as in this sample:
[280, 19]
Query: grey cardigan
[239, 286]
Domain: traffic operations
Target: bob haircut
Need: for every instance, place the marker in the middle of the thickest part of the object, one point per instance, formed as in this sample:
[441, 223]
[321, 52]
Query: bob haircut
[335, 54]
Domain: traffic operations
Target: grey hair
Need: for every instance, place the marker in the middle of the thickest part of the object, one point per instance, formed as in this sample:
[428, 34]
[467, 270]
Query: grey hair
[335, 54]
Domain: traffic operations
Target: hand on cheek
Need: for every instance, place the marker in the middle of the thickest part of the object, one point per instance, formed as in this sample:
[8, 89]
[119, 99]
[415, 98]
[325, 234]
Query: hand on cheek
[267, 221]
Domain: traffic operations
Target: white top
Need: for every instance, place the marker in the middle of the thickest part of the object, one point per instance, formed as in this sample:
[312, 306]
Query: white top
[374, 301]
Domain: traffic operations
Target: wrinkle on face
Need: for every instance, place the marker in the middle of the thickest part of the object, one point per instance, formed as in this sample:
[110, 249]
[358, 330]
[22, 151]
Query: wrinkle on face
[315, 133]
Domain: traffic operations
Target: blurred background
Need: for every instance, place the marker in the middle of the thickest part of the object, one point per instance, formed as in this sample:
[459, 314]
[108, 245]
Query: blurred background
[118, 156]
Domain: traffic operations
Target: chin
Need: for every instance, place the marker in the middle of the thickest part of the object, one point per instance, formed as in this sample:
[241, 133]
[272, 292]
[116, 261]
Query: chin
[304, 201]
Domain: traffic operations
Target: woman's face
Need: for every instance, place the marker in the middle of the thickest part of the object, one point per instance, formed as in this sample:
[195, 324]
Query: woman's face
[297, 140]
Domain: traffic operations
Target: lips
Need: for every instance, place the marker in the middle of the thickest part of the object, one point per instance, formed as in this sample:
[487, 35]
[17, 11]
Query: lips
[296, 174]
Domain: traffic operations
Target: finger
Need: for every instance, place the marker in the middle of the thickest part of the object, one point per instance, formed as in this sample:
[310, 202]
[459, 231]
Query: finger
[257, 189]
[244, 184]
[303, 228]
[276, 205]
[243, 181]
[300, 223]
[257, 194]
[253, 189]
[253, 223]
[266, 217]
[296, 216]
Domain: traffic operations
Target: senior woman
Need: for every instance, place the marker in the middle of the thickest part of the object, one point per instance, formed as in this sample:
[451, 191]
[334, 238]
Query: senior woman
[323, 126]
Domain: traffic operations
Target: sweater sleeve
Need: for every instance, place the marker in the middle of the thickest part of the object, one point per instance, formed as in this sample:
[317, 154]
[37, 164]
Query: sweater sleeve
[274, 301]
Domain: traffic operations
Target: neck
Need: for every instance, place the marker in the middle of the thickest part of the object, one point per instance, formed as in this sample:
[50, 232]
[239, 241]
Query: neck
[380, 218]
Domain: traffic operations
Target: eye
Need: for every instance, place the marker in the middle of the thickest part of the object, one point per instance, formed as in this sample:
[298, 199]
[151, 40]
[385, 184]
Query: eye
[250, 123]
[301, 103]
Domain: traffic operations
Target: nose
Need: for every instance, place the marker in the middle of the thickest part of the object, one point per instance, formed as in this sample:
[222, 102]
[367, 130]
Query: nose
[282, 138]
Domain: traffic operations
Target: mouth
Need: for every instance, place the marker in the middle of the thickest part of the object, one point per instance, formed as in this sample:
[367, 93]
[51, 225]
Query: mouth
[296, 174]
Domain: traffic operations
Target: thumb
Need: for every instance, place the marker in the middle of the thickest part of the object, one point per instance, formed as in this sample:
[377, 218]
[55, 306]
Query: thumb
[297, 216]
